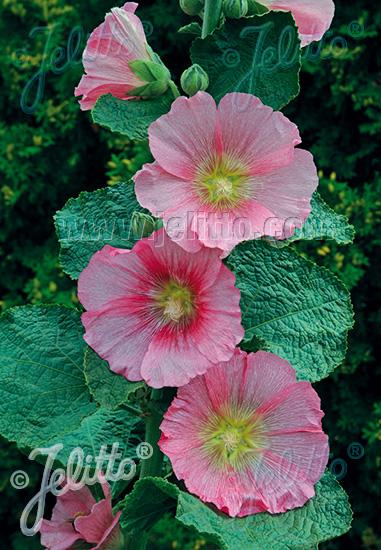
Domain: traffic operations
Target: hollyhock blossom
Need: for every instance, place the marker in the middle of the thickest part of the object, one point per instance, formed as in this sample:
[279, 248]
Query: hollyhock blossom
[112, 46]
[159, 313]
[246, 436]
[226, 174]
[78, 517]
[313, 17]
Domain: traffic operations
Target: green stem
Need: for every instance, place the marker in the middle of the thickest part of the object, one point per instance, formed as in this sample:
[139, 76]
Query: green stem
[153, 465]
[212, 14]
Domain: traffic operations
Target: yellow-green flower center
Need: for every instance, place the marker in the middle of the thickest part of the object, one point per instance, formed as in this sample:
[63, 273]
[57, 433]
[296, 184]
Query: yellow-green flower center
[175, 301]
[232, 438]
[223, 183]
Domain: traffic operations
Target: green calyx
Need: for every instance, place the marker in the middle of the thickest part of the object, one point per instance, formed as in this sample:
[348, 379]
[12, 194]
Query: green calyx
[153, 73]
[235, 9]
[194, 80]
[191, 7]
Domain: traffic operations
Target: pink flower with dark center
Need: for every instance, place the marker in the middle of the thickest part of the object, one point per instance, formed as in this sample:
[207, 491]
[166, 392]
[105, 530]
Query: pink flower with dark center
[313, 17]
[226, 174]
[78, 517]
[110, 49]
[246, 436]
[158, 313]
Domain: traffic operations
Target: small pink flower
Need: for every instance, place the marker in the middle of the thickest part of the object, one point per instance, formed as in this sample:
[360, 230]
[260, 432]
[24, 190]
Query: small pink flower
[313, 17]
[226, 174]
[119, 40]
[77, 516]
[159, 313]
[246, 436]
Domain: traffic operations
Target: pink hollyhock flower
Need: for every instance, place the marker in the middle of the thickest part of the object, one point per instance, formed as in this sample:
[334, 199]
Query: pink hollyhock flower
[159, 313]
[246, 436]
[313, 17]
[78, 517]
[110, 49]
[226, 174]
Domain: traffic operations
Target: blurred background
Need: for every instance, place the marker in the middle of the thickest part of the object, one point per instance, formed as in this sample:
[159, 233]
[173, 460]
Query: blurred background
[50, 151]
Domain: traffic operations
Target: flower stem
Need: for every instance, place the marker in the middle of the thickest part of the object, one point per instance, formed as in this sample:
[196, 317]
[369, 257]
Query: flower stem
[152, 466]
[212, 14]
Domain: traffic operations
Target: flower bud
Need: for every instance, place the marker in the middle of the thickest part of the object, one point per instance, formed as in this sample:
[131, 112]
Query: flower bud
[191, 7]
[234, 9]
[194, 80]
[142, 225]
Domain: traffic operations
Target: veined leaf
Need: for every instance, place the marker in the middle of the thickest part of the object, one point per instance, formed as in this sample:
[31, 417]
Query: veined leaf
[91, 221]
[301, 311]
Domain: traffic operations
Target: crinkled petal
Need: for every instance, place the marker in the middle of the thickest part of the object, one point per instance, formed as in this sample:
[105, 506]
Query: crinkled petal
[186, 137]
[287, 193]
[172, 360]
[262, 139]
[58, 538]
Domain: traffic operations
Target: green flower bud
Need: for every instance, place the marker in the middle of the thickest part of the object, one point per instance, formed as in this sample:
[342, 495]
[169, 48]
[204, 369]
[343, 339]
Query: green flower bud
[194, 80]
[234, 9]
[191, 7]
[142, 225]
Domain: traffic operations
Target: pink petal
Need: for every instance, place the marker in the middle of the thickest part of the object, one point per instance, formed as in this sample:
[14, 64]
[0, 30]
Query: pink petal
[124, 268]
[159, 254]
[186, 136]
[287, 193]
[218, 331]
[172, 360]
[121, 337]
[57, 538]
[72, 502]
[259, 137]
[93, 527]
[313, 17]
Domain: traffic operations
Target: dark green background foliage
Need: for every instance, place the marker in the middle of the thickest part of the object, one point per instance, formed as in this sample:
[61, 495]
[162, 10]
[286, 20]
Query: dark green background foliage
[55, 152]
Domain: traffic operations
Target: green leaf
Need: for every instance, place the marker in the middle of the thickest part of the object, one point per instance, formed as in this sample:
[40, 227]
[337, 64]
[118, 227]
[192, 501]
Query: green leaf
[95, 219]
[43, 392]
[109, 389]
[259, 55]
[324, 517]
[132, 117]
[301, 312]
[149, 500]
[192, 28]
[102, 429]
[322, 223]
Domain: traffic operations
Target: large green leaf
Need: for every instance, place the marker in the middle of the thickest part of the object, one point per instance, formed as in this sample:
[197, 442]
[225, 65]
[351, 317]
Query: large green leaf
[132, 117]
[104, 428]
[300, 311]
[110, 390]
[259, 55]
[324, 517]
[43, 392]
[322, 223]
[95, 219]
